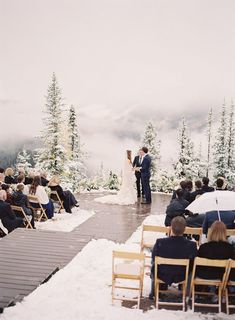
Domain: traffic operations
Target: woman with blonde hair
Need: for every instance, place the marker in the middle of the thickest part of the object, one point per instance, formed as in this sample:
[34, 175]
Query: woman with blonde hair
[9, 176]
[217, 248]
[69, 201]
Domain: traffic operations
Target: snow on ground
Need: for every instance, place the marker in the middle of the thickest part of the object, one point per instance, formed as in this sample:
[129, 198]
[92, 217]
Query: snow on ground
[65, 221]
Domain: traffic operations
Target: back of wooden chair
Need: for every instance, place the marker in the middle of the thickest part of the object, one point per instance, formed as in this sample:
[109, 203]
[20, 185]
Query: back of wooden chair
[148, 244]
[230, 232]
[56, 198]
[34, 199]
[127, 266]
[171, 262]
[21, 212]
[229, 283]
[196, 281]
[194, 232]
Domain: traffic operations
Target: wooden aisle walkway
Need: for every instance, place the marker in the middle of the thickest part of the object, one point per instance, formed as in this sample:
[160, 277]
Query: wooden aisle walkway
[30, 257]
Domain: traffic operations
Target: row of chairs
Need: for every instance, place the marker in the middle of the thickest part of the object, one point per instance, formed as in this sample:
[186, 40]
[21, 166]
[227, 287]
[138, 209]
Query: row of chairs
[130, 266]
[39, 212]
[149, 232]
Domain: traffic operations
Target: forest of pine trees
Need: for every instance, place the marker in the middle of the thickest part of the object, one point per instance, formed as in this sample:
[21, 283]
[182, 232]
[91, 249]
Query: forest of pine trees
[62, 152]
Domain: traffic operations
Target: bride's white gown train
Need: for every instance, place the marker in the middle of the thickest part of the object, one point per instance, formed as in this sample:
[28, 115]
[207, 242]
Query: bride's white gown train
[127, 193]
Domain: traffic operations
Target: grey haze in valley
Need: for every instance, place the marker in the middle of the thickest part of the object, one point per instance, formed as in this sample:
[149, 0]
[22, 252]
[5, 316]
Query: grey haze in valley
[123, 62]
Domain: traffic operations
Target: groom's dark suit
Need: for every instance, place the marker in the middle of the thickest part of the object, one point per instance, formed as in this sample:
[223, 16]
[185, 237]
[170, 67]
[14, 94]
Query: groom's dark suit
[136, 163]
[145, 177]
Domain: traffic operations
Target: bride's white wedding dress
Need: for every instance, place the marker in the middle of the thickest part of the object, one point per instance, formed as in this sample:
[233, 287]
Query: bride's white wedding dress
[127, 193]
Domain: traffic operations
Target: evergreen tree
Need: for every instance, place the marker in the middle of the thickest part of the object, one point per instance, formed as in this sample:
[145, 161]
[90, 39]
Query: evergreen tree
[199, 165]
[151, 141]
[23, 160]
[221, 146]
[184, 167]
[75, 166]
[231, 146]
[52, 157]
[209, 137]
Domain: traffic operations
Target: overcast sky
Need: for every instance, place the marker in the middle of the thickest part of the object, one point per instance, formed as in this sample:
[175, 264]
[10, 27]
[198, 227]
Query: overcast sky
[122, 62]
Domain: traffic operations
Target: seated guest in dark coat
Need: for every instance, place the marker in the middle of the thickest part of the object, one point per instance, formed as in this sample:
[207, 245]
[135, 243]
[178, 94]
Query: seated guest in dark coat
[69, 201]
[221, 184]
[44, 180]
[7, 188]
[176, 207]
[29, 178]
[227, 217]
[7, 216]
[186, 193]
[205, 185]
[174, 247]
[217, 248]
[198, 191]
[21, 200]
[9, 176]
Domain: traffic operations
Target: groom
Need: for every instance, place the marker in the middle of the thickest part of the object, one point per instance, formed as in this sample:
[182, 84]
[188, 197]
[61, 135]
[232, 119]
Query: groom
[144, 169]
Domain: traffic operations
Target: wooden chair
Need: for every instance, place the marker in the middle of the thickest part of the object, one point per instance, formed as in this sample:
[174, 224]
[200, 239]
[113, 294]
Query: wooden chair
[148, 242]
[228, 283]
[35, 200]
[171, 262]
[56, 199]
[230, 232]
[20, 211]
[194, 232]
[196, 281]
[127, 266]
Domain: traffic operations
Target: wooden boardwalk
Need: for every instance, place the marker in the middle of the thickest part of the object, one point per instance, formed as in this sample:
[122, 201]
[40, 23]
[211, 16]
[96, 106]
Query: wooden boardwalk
[30, 257]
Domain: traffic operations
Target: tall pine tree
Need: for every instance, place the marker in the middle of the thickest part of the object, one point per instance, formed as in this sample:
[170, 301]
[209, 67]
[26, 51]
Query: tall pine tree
[52, 157]
[75, 166]
[209, 138]
[231, 146]
[221, 145]
[23, 160]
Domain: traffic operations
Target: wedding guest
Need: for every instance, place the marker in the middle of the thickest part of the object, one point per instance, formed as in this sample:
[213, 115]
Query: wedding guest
[205, 185]
[39, 191]
[21, 179]
[174, 247]
[44, 180]
[2, 175]
[69, 201]
[9, 176]
[183, 187]
[7, 216]
[21, 200]
[221, 184]
[29, 178]
[8, 190]
[216, 248]
[227, 217]
[176, 207]
[198, 191]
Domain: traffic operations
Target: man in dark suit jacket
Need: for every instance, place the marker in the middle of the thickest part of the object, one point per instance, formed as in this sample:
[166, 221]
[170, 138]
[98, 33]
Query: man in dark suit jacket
[205, 185]
[198, 191]
[137, 163]
[7, 216]
[144, 169]
[174, 247]
[227, 217]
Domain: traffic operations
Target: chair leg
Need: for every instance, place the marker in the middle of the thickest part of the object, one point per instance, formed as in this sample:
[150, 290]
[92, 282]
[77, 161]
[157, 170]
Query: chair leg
[193, 297]
[157, 294]
[184, 296]
[227, 300]
[219, 298]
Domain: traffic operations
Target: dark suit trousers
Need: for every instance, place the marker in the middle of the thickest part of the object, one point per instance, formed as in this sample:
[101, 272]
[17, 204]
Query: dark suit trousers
[146, 187]
[138, 184]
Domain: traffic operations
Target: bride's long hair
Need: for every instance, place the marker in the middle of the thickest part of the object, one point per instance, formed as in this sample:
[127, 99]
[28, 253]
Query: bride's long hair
[128, 153]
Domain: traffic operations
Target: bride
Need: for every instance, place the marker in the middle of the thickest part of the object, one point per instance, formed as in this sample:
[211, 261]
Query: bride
[127, 193]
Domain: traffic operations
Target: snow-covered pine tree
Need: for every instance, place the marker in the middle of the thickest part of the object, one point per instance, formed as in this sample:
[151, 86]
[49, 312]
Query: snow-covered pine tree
[184, 167]
[209, 138]
[23, 160]
[221, 145]
[231, 147]
[151, 141]
[53, 156]
[199, 164]
[76, 171]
